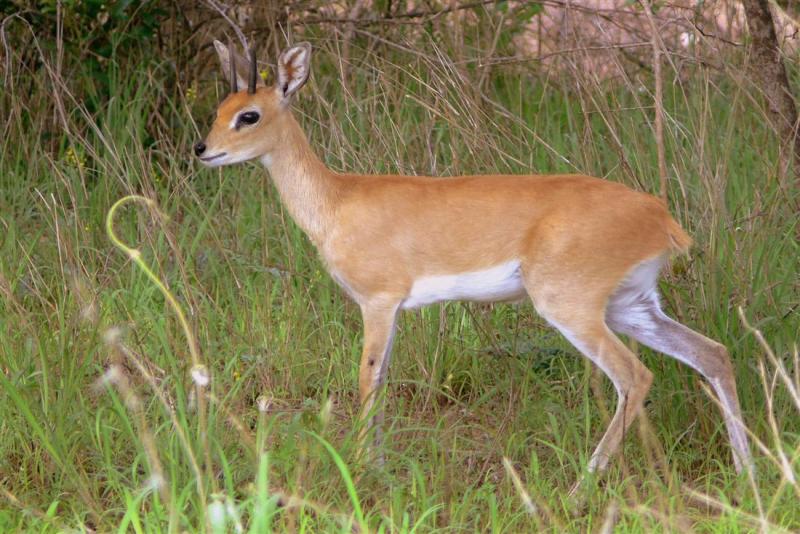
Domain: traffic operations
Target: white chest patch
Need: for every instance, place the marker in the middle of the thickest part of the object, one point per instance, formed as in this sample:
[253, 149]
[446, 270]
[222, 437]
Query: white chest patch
[499, 283]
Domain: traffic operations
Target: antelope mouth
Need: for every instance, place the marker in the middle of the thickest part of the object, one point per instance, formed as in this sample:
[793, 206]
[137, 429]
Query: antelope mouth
[208, 159]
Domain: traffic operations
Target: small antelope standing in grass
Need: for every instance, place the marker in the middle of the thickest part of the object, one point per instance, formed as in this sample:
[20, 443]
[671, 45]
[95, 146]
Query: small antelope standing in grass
[586, 251]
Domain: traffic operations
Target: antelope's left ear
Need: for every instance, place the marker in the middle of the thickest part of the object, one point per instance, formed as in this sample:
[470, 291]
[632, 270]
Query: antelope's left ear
[241, 66]
[294, 66]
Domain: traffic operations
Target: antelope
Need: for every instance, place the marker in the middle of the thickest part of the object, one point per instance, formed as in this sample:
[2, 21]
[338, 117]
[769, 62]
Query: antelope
[586, 251]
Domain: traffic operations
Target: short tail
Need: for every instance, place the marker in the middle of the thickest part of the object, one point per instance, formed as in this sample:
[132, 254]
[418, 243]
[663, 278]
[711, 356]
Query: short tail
[679, 239]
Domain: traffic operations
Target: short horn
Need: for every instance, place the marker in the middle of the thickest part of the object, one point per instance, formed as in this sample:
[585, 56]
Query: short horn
[232, 59]
[253, 72]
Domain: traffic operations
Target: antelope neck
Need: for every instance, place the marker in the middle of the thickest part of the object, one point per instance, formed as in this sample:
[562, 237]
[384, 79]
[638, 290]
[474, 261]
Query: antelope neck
[305, 184]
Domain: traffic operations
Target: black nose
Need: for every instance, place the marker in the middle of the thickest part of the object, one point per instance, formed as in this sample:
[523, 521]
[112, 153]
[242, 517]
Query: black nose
[199, 148]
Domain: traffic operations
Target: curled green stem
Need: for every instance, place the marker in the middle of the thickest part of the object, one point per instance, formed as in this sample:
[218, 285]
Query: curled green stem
[199, 371]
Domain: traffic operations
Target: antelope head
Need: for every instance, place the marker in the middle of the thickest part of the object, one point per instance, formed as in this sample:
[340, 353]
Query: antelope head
[249, 122]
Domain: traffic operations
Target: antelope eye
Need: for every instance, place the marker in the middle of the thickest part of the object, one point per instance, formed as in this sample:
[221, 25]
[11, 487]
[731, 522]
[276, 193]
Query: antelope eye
[248, 117]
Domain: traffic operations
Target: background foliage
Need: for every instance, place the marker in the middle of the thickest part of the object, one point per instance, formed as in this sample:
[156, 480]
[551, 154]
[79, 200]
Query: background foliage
[491, 415]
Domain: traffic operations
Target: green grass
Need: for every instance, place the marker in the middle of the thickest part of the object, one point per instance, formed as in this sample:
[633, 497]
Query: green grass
[96, 397]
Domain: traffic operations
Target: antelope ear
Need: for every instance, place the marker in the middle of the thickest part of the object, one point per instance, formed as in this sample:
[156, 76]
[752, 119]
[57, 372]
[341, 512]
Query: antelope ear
[242, 65]
[294, 66]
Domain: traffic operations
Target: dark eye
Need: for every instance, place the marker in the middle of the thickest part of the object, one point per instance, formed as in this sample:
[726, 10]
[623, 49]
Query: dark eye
[248, 117]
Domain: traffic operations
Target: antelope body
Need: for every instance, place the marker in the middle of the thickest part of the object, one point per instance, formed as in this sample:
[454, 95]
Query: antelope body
[587, 251]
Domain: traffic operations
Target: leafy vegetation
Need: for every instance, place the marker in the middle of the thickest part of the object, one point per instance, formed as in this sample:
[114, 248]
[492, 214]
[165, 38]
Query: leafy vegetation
[101, 424]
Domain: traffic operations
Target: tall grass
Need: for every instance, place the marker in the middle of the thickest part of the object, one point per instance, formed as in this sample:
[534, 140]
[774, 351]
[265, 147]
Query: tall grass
[491, 415]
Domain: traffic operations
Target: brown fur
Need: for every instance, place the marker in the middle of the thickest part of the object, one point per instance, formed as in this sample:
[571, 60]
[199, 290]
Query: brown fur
[576, 239]
[380, 233]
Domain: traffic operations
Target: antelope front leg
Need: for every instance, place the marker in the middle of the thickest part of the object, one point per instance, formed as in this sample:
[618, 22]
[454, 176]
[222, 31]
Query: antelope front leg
[379, 318]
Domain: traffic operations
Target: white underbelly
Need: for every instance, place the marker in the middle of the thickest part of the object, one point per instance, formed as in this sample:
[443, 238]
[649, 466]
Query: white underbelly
[500, 283]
